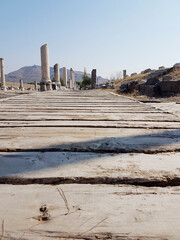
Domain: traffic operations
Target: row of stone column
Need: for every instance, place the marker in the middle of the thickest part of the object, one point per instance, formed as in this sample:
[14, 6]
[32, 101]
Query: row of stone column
[46, 83]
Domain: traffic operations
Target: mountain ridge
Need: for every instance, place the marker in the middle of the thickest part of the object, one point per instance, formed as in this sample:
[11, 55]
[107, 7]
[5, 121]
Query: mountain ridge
[33, 73]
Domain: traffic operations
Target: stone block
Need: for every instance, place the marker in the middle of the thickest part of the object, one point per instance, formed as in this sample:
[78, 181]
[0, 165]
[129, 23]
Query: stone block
[167, 78]
[152, 81]
[146, 71]
[161, 67]
[133, 74]
[177, 65]
[147, 90]
[169, 87]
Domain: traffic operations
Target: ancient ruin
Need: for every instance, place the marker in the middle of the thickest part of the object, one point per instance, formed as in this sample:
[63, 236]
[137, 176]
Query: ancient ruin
[93, 79]
[124, 73]
[56, 84]
[45, 83]
[3, 85]
[21, 85]
[72, 79]
[115, 159]
[154, 83]
[65, 76]
[35, 85]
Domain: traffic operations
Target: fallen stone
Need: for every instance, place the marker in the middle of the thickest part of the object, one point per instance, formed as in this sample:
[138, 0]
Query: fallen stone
[167, 78]
[146, 71]
[168, 88]
[177, 65]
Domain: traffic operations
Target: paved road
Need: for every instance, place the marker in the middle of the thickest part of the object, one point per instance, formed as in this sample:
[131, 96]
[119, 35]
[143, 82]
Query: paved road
[115, 159]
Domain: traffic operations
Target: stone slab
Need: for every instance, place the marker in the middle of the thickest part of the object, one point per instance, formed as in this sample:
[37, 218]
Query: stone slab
[156, 167]
[90, 124]
[96, 211]
[89, 139]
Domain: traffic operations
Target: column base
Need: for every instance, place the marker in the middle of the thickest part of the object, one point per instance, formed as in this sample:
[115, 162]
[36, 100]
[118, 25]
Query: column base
[45, 86]
[3, 88]
[48, 86]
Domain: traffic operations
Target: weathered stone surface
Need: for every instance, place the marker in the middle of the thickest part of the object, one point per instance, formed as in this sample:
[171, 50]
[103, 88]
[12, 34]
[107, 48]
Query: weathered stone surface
[45, 83]
[57, 76]
[95, 212]
[160, 73]
[65, 76]
[167, 78]
[93, 79]
[161, 67]
[91, 166]
[72, 79]
[3, 85]
[146, 71]
[152, 81]
[133, 74]
[124, 74]
[131, 86]
[147, 90]
[21, 85]
[177, 65]
[52, 138]
[167, 88]
[35, 85]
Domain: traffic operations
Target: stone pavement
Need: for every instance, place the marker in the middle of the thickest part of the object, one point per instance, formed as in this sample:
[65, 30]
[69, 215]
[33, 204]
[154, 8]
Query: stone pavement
[106, 166]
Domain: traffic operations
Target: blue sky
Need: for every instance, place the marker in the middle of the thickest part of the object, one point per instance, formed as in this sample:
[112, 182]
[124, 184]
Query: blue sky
[109, 35]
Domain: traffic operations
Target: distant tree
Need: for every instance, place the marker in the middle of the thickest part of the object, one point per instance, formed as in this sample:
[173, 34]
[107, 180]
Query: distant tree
[116, 76]
[79, 83]
[62, 81]
[33, 83]
[86, 83]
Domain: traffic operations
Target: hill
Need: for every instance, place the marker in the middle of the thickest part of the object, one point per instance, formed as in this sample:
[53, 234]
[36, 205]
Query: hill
[163, 82]
[33, 73]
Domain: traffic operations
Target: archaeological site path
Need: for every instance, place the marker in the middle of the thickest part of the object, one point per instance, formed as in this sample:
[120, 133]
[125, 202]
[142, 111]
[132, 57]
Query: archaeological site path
[106, 166]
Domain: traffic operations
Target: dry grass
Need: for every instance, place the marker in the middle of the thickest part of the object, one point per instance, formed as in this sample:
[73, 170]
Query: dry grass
[138, 76]
[175, 74]
[13, 84]
[136, 96]
[61, 192]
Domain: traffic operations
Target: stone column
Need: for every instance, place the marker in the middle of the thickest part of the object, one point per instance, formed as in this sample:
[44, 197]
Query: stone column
[93, 79]
[45, 83]
[21, 85]
[65, 76]
[57, 76]
[72, 79]
[3, 85]
[124, 73]
[35, 85]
